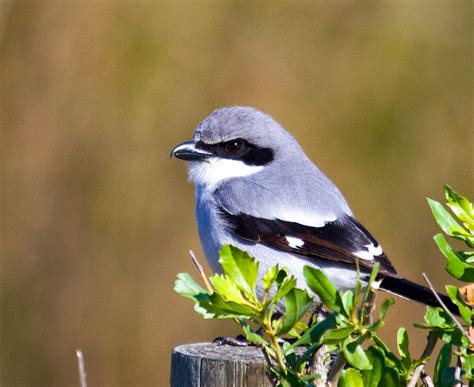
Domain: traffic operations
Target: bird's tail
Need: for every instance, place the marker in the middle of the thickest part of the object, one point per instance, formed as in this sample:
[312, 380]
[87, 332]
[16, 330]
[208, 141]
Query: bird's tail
[412, 291]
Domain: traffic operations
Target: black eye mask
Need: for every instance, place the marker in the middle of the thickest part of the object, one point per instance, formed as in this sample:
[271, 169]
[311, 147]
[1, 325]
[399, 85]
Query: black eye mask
[239, 149]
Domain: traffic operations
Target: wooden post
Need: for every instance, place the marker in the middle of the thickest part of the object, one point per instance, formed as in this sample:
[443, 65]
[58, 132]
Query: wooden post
[212, 365]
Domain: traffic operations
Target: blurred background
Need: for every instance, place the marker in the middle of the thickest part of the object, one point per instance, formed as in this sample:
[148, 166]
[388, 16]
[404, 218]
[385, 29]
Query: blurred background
[96, 220]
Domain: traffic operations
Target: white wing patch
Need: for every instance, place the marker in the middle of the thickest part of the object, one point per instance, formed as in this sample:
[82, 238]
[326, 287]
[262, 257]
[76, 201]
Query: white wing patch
[375, 250]
[303, 218]
[214, 170]
[372, 251]
[294, 242]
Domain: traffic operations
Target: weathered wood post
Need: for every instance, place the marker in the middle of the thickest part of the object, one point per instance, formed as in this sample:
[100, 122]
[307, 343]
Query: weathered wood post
[212, 365]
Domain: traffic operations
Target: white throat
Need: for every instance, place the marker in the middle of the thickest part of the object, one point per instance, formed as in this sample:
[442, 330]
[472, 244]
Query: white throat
[212, 171]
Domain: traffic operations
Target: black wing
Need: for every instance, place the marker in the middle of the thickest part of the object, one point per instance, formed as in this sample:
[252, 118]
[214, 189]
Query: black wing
[344, 240]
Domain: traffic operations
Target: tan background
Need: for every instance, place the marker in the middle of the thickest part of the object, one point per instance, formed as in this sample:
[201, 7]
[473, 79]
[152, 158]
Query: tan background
[96, 220]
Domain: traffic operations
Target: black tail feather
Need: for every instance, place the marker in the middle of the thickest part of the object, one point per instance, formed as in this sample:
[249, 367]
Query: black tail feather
[412, 291]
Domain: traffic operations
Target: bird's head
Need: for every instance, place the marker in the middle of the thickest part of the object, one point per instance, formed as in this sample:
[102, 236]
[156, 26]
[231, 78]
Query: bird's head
[235, 142]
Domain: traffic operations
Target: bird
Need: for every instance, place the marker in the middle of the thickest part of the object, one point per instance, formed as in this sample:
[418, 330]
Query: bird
[257, 190]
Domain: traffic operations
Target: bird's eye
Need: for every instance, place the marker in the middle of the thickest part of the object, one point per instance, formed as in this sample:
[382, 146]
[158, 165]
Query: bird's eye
[235, 147]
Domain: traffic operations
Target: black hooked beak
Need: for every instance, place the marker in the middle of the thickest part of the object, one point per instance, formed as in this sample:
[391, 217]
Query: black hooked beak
[189, 152]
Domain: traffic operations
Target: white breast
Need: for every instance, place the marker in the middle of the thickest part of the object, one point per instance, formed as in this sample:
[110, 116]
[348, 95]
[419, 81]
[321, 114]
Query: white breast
[211, 172]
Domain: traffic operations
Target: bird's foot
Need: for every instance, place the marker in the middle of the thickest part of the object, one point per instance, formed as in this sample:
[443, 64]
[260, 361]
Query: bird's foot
[239, 341]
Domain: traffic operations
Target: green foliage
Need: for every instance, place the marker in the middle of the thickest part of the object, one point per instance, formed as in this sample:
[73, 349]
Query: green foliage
[457, 342]
[348, 329]
[351, 378]
[444, 373]
[376, 359]
[459, 262]
[465, 310]
[234, 295]
[355, 355]
[320, 285]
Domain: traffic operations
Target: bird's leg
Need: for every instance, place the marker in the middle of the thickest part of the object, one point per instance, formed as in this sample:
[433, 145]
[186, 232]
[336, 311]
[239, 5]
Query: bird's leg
[240, 340]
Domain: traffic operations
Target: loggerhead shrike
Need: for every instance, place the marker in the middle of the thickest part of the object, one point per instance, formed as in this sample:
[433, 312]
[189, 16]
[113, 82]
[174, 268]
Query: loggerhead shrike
[257, 190]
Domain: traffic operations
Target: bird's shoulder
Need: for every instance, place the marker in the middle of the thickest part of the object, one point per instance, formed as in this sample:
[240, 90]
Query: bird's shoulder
[310, 199]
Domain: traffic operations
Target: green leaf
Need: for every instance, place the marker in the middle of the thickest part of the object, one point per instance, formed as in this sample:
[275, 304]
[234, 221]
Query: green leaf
[348, 302]
[390, 358]
[455, 338]
[186, 286]
[437, 317]
[269, 278]
[377, 360]
[315, 332]
[461, 207]
[350, 378]
[403, 343]
[335, 336]
[240, 268]
[294, 333]
[281, 275]
[442, 375]
[251, 336]
[216, 306]
[390, 378]
[290, 358]
[376, 325]
[464, 309]
[297, 303]
[227, 289]
[277, 323]
[287, 284]
[373, 276]
[307, 355]
[467, 256]
[321, 286]
[358, 287]
[356, 356]
[385, 306]
[444, 219]
[456, 266]
[301, 326]
[468, 365]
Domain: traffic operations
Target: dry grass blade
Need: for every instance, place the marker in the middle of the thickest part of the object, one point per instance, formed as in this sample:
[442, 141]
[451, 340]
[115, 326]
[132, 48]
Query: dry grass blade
[82, 368]
[201, 271]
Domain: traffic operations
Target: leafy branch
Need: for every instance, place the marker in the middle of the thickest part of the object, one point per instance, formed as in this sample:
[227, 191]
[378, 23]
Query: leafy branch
[270, 308]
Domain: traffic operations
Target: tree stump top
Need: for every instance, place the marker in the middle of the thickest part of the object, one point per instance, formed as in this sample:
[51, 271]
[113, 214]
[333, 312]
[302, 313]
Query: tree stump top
[208, 364]
[222, 352]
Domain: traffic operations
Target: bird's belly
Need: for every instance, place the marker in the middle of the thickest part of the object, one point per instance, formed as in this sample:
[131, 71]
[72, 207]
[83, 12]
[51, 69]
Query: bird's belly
[342, 277]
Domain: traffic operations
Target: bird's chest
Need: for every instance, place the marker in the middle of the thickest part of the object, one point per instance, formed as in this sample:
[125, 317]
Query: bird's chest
[212, 231]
